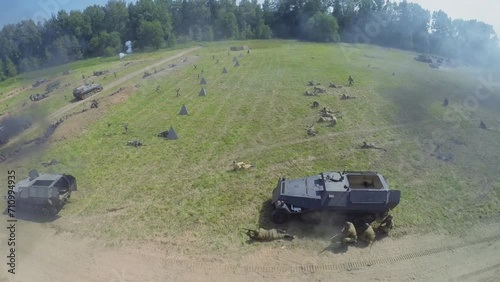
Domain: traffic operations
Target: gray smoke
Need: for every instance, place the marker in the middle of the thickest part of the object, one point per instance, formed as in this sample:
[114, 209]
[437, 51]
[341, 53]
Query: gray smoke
[128, 44]
[122, 55]
[12, 126]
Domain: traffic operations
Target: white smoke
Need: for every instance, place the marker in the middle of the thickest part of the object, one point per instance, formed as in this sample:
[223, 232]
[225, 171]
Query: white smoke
[122, 55]
[128, 44]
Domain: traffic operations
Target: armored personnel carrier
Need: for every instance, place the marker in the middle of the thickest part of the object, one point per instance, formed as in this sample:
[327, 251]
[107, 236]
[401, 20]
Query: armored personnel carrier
[363, 194]
[85, 91]
[44, 194]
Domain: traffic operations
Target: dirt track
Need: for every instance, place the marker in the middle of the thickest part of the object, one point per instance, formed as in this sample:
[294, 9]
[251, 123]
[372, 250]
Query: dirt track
[120, 81]
[43, 255]
[59, 113]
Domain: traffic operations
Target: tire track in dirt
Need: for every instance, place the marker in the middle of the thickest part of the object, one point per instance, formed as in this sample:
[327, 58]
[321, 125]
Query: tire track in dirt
[350, 265]
[468, 276]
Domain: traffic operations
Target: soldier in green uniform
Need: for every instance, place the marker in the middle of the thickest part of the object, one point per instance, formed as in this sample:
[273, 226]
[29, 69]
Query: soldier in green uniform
[268, 235]
[351, 80]
[368, 234]
[350, 235]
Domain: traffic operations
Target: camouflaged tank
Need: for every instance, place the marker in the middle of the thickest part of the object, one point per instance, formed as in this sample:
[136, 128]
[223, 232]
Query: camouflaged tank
[85, 91]
[44, 194]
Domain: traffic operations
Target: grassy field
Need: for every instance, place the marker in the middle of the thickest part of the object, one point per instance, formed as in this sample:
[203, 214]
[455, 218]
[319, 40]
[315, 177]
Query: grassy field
[184, 191]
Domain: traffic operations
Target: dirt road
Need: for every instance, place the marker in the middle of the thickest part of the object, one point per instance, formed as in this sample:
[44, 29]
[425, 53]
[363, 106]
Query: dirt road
[43, 255]
[123, 80]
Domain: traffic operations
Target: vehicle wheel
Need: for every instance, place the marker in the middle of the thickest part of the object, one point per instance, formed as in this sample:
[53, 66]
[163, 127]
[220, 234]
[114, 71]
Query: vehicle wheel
[45, 211]
[279, 216]
[53, 211]
[369, 218]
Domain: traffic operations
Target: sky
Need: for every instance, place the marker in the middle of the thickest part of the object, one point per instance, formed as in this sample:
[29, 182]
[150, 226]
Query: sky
[483, 10]
[16, 10]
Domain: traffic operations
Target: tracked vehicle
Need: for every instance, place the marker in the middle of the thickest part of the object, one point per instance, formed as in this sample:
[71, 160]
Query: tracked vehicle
[44, 194]
[85, 91]
[362, 194]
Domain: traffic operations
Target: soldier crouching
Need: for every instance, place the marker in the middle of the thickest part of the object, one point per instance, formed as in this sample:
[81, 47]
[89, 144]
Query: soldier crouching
[350, 235]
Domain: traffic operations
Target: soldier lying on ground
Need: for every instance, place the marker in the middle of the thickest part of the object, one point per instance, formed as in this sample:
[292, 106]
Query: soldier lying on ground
[268, 235]
[52, 162]
[311, 131]
[134, 143]
[349, 232]
[320, 90]
[370, 146]
[241, 165]
[345, 97]
[315, 104]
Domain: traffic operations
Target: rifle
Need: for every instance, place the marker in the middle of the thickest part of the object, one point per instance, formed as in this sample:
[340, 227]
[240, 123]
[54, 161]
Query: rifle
[329, 245]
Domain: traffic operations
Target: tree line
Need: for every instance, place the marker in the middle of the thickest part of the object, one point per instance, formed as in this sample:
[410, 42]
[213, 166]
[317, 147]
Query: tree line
[153, 24]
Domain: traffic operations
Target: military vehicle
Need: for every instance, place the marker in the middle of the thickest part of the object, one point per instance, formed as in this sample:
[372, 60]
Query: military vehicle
[84, 91]
[361, 194]
[44, 194]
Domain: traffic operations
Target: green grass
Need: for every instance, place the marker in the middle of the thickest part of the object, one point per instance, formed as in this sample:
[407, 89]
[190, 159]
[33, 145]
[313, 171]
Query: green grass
[257, 113]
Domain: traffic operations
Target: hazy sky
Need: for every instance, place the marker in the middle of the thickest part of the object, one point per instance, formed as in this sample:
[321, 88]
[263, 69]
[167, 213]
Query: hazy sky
[487, 11]
[484, 10]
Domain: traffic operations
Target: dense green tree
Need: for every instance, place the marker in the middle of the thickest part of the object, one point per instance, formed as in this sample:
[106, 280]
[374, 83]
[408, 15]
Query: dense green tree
[322, 27]
[103, 30]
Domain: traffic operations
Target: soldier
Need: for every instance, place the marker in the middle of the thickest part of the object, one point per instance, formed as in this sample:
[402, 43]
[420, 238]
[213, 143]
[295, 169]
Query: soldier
[315, 104]
[31, 97]
[94, 104]
[268, 235]
[178, 94]
[346, 97]
[311, 131]
[386, 225]
[333, 121]
[351, 80]
[114, 74]
[368, 235]
[213, 57]
[350, 234]
[241, 165]
[195, 66]
[320, 90]
[482, 125]
[125, 126]
[367, 145]
[445, 102]
[158, 89]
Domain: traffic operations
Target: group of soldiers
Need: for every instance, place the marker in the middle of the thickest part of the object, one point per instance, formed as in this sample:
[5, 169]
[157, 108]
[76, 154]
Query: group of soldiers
[350, 232]
[367, 232]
